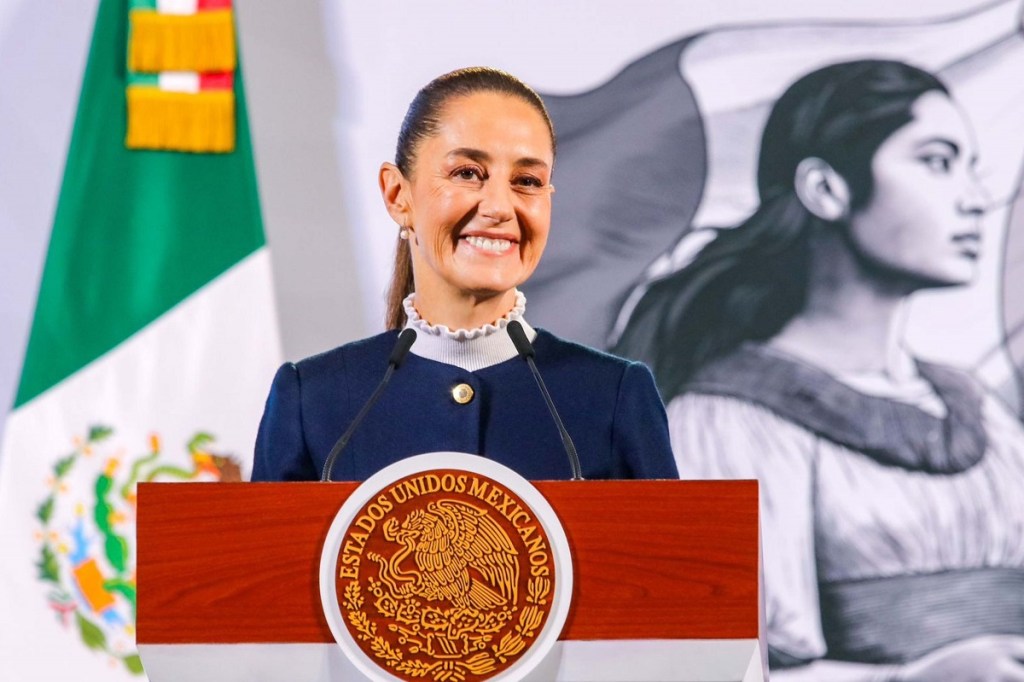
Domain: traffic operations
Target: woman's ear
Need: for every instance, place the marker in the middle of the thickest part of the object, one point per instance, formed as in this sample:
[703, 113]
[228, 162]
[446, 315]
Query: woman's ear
[394, 189]
[822, 190]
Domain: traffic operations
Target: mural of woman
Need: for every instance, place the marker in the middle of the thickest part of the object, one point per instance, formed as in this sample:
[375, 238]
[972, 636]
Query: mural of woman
[892, 521]
[668, 148]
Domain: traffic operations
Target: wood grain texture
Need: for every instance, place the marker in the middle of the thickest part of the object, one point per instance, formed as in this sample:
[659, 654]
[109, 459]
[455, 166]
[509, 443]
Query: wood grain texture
[239, 562]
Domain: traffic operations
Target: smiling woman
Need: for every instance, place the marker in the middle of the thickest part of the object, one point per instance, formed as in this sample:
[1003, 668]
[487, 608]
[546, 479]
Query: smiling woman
[476, 206]
[470, 192]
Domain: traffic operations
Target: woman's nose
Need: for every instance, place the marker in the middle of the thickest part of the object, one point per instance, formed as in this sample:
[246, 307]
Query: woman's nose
[496, 202]
[975, 200]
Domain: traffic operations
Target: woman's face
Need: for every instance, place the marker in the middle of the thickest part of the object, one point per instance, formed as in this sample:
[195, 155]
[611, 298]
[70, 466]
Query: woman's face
[923, 221]
[479, 193]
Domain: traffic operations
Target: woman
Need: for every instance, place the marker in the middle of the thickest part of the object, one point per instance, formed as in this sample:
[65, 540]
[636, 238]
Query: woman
[470, 191]
[892, 513]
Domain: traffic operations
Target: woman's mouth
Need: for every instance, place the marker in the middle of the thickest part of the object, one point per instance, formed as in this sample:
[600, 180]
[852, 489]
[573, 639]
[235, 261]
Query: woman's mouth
[969, 244]
[488, 244]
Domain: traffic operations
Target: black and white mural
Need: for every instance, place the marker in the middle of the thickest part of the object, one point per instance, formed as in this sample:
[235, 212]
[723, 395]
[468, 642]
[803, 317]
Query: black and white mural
[754, 212]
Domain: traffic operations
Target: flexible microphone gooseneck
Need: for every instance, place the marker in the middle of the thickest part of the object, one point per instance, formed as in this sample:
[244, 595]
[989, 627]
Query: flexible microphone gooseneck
[526, 352]
[398, 353]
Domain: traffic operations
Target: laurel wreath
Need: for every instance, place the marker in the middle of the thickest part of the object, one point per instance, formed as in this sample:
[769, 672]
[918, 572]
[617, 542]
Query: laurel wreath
[481, 663]
[115, 547]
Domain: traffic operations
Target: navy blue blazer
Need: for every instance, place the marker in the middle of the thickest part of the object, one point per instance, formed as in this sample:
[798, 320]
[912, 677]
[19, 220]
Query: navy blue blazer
[609, 405]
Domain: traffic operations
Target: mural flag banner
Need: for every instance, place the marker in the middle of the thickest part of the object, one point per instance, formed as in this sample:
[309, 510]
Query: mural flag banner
[153, 341]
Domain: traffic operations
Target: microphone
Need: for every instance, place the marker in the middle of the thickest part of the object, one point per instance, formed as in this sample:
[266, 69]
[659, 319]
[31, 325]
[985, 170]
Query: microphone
[398, 353]
[526, 352]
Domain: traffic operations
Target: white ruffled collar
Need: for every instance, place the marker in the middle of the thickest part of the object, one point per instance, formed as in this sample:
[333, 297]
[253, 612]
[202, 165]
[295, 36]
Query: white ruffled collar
[469, 349]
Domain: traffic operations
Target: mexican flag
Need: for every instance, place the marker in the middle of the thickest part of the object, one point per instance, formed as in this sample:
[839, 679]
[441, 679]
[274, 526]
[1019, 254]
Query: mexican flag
[152, 347]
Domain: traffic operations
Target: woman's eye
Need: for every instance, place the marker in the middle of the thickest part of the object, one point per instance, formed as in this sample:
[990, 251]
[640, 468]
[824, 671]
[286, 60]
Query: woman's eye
[529, 183]
[468, 173]
[937, 163]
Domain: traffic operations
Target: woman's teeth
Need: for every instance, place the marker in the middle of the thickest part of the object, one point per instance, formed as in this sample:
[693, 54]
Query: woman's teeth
[492, 245]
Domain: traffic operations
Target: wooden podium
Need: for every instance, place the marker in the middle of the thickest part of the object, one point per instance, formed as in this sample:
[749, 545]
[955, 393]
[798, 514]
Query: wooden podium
[667, 582]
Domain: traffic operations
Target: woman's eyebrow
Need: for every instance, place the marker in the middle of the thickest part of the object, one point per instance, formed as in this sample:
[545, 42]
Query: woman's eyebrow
[477, 155]
[529, 161]
[946, 142]
[480, 156]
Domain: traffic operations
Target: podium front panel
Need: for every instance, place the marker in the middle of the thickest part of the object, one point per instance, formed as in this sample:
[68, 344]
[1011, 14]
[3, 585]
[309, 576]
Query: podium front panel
[660, 566]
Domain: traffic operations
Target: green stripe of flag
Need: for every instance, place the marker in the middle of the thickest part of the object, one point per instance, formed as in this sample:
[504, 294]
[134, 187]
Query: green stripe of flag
[135, 232]
[148, 79]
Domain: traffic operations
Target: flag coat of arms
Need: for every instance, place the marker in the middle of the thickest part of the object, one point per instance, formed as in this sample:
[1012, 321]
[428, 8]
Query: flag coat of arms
[153, 342]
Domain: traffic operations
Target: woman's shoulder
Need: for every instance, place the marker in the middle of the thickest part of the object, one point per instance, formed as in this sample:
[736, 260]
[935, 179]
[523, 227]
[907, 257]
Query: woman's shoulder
[552, 348]
[728, 419]
[350, 356]
[722, 436]
[795, 390]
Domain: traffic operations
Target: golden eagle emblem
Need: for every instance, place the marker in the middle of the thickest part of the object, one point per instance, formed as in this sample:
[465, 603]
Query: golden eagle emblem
[461, 556]
[444, 576]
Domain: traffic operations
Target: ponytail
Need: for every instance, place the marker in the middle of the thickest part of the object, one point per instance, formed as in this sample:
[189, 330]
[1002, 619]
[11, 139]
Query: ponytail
[400, 287]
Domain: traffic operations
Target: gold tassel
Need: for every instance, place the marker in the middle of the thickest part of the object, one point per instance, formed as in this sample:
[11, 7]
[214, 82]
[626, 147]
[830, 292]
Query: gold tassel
[204, 41]
[181, 121]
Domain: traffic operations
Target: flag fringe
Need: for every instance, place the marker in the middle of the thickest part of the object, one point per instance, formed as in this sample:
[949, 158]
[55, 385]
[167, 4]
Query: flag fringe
[204, 41]
[180, 121]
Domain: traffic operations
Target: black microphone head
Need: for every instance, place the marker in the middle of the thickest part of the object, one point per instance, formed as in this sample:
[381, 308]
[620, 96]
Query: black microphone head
[519, 340]
[402, 346]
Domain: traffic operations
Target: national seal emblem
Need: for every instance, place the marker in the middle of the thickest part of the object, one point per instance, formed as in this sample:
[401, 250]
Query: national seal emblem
[446, 567]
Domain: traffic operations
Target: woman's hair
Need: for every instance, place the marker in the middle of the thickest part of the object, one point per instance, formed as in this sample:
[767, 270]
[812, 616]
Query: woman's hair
[749, 281]
[422, 121]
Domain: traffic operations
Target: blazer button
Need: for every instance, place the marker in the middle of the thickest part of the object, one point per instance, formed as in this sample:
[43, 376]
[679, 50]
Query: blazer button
[462, 393]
